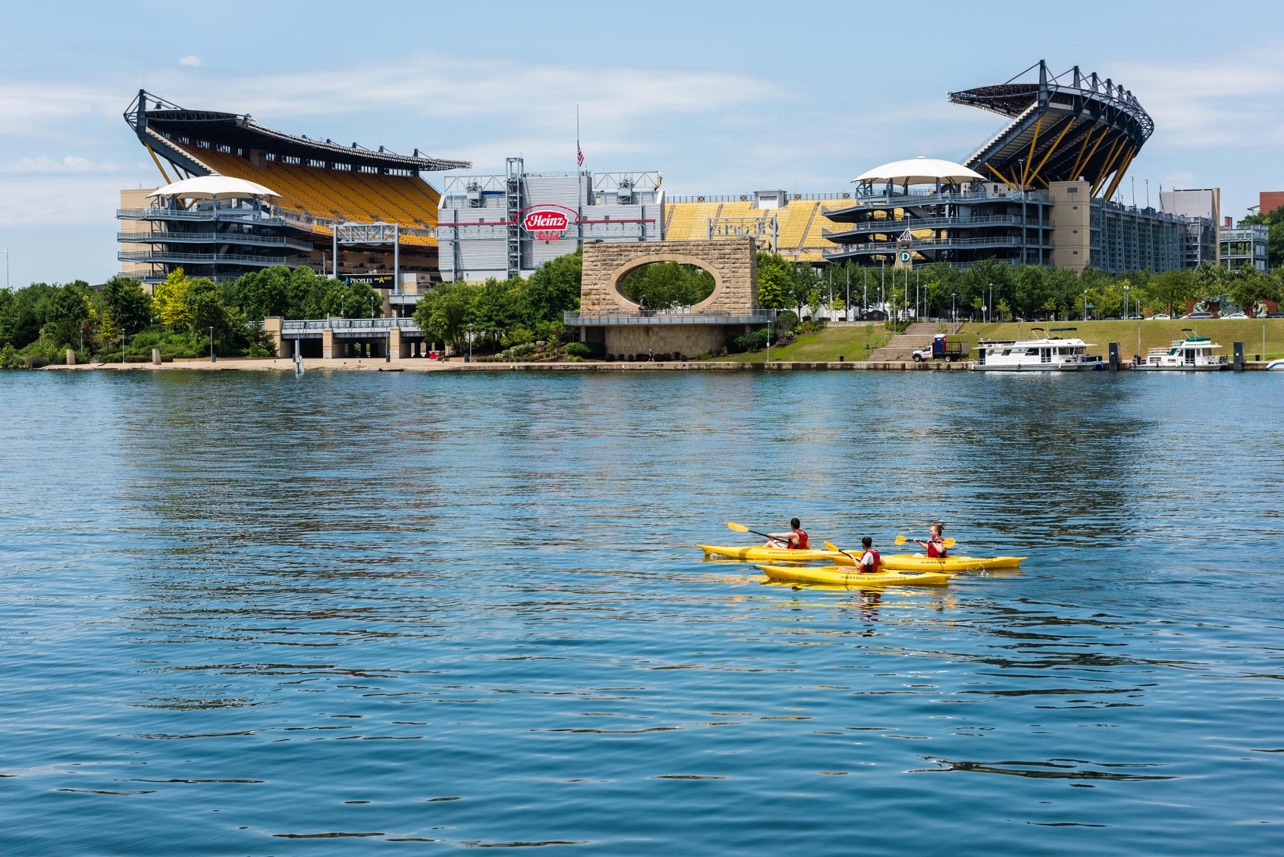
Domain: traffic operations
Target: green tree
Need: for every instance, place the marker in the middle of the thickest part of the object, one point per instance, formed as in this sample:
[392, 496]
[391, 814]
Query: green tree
[554, 289]
[126, 307]
[169, 300]
[774, 281]
[263, 293]
[445, 313]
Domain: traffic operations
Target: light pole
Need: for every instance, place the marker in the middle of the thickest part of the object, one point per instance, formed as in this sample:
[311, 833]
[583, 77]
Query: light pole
[470, 343]
[212, 343]
[6, 268]
[991, 309]
[1125, 300]
[847, 301]
[1085, 304]
[954, 308]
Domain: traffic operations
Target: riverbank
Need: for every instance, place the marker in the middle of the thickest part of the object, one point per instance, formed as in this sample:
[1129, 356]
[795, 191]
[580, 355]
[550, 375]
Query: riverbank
[281, 364]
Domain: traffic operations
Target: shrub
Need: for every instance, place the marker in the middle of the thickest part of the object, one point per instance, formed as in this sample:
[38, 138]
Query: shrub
[578, 350]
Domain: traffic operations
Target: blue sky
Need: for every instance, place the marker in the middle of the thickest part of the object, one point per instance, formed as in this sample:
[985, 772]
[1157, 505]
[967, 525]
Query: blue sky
[719, 97]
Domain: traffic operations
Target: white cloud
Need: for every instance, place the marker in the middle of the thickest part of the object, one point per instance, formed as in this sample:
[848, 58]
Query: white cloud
[58, 200]
[190, 60]
[64, 165]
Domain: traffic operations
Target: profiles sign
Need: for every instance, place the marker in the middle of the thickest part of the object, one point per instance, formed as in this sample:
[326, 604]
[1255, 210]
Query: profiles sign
[546, 224]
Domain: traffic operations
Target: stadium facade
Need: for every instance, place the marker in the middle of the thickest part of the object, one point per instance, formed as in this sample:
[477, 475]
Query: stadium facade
[358, 213]
[1042, 191]
[509, 225]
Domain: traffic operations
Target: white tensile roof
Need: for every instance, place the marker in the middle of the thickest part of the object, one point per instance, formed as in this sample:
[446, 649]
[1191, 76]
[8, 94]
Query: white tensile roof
[214, 187]
[920, 170]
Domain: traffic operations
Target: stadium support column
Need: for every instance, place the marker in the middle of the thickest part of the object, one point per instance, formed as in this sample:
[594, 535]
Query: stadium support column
[334, 256]
[396, 266]
[513, 200]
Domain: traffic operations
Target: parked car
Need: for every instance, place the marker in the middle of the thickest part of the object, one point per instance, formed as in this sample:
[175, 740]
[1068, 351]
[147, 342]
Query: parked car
[1232, 315]
[1197, 315]
[1161, 316]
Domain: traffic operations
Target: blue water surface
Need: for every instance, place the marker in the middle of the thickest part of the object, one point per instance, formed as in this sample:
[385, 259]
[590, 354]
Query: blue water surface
[350, 613]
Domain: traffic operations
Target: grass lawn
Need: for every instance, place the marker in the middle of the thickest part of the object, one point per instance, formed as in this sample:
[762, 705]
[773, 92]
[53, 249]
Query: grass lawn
[823, 346]
[849, 342]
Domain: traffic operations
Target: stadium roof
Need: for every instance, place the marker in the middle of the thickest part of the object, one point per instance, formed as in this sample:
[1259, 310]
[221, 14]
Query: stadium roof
[214, 187]
[1066, 127]
[239, 130]
[920, 170]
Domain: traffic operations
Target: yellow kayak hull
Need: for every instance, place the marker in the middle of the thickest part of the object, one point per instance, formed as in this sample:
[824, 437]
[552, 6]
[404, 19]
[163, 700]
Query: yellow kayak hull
[758, 553]
[834, 575]
[948, 565]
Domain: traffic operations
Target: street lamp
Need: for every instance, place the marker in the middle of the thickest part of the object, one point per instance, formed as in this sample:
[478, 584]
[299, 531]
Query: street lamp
[954, 309]
[1125, 300]
[1085, 304]
[470, 343]
[212, 343]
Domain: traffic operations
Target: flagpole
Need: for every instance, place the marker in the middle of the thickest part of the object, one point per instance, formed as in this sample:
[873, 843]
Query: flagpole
[579, 153]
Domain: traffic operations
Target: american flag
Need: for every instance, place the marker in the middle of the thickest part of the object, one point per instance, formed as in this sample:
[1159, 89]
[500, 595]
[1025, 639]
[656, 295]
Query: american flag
[579, 155]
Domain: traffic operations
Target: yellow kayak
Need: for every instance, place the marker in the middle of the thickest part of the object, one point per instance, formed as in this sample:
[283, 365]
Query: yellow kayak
[845, 576]
[950, 564]
[758, 553]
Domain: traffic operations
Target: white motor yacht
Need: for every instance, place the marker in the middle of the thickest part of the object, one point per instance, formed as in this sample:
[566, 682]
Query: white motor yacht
[1042, 353]
[1191, 353]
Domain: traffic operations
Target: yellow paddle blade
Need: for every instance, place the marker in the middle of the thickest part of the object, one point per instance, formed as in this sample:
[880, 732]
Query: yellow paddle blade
[900, 540]
[739, 528]
[830, 546]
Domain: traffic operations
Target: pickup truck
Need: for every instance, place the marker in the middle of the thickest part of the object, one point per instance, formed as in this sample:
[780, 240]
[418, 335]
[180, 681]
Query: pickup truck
[942, 347]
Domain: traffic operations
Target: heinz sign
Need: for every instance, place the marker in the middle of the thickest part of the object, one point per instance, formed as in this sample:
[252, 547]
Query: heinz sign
[546, 224]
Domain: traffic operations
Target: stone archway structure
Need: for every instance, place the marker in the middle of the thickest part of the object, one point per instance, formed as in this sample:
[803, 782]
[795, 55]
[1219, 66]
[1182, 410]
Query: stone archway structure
[626, 331]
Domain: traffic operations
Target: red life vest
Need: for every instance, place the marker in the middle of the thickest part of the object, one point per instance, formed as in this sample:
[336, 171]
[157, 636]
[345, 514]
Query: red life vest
[802, 542]
[878, 561]
[936, 549]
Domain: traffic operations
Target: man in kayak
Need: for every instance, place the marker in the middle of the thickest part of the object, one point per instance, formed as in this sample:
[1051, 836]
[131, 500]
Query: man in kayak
[870, 561]
[795, 539]
[935, 545]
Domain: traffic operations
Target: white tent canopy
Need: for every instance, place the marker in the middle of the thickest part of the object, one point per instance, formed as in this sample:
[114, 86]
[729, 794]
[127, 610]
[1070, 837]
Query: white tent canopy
[920, 170]
[214, 187]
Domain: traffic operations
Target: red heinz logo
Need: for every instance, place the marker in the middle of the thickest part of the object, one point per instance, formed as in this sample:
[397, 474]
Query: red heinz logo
[545, 221]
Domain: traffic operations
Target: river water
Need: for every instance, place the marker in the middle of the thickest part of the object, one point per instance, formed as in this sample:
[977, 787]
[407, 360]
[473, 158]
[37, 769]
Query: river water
[255, 614]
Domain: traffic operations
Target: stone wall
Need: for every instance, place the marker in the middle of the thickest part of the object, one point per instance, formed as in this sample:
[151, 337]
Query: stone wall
[733, 264]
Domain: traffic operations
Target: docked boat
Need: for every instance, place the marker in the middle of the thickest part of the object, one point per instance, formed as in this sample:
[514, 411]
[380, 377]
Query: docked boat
[1191, 353]
[1037, 354]
[1275, 365]
[836, 575]
[758, 553]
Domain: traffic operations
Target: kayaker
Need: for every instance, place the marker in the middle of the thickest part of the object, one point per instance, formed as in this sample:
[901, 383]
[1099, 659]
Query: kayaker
[935, 545]
[871, 560]
[795, 539]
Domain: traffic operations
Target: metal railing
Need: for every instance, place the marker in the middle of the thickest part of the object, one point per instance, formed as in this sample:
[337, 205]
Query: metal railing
[341, 325]
[198, 258]
[581, 319]
[899, 226]
[211, 238]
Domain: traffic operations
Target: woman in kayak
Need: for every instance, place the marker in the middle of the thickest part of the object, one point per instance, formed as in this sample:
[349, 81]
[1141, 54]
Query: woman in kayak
[870, 561]
[795, 539]
[935, 545]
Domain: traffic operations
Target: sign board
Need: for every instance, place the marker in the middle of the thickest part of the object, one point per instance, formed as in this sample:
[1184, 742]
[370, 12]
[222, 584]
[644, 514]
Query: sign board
[548, 222]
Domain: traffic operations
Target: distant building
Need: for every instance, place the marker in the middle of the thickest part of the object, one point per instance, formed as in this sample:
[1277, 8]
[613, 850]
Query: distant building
[1202, 209]
[1270, 200]
[1244, 246]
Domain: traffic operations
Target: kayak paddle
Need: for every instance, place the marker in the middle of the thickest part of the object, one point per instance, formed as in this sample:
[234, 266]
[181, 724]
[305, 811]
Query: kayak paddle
[741, 528]
[949, 543]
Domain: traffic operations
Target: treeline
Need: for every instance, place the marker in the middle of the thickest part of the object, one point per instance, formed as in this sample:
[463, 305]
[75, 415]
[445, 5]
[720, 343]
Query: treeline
[502, 314]
[182, 316]
[1007, 292]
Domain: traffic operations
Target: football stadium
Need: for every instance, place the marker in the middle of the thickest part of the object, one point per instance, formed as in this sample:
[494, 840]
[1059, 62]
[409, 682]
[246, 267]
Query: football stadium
[1044, 190]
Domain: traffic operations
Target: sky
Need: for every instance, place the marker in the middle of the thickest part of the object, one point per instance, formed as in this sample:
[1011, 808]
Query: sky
[720, 98]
